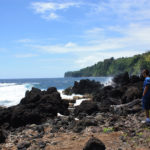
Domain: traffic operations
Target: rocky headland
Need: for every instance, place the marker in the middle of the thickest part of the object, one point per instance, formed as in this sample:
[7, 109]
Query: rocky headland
[108, 118]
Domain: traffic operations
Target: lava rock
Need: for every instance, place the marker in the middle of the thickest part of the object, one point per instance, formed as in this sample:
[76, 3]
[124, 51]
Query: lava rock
[85, 86]
[122, 78]
[130, 94]
[36, 107]
[87, 107]
[23, 145]
[134, 79]
[3, 135]
[94, 144]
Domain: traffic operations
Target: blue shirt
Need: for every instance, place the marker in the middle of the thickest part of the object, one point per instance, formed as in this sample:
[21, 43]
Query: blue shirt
[147, 82]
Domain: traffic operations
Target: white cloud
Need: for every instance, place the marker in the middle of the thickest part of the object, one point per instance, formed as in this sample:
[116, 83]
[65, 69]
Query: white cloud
[24, 41]
[48, 9]
[51, 16]
[77, 48]
[124, 9]
[133, 39]
[25, 55]
[70, 44]
[125, 29]
[42, 7]
[93, 58]
[95, 30]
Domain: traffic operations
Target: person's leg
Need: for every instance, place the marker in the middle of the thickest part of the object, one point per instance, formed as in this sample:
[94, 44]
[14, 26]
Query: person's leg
[147, 116]
[147, 113]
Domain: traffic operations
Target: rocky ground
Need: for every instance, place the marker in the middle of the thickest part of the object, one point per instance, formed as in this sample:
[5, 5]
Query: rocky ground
[44, 121]
[117, 133]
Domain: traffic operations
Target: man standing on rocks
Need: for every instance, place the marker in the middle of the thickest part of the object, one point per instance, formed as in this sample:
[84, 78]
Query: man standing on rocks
[146, 95]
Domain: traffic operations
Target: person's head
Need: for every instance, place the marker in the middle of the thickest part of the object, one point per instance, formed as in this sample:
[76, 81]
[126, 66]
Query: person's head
[145, 73]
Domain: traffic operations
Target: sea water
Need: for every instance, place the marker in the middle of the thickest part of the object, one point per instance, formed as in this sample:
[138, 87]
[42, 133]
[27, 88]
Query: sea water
[13, 90]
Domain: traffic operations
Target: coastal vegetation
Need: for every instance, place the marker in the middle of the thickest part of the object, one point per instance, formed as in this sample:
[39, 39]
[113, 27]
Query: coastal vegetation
[110, 67]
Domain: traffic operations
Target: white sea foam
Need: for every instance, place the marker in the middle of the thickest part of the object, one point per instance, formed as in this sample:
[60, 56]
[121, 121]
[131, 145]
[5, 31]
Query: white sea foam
[108, 81]
[63, 96]
[59, 115]
[79, 101]
[12, 93]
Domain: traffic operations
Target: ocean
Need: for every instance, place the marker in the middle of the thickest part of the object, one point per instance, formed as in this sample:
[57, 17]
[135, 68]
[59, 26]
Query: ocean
[13, 90]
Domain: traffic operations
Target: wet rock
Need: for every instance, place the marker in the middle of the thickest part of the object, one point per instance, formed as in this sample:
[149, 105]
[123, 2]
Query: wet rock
[51, 90]
[68, 91]
[94, 144]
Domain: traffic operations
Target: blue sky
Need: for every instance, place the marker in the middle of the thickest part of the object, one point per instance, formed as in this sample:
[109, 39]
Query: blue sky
[46, 38]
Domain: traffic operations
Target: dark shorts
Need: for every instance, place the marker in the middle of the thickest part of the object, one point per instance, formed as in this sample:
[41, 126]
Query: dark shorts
[146, 103]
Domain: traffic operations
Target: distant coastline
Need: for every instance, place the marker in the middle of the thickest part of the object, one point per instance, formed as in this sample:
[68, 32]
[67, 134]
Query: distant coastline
[110, 67]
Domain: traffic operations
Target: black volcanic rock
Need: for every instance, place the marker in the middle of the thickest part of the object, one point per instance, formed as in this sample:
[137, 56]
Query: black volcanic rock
[134, 79]
[87, 107]
[121, 79]
[85, 86]
[130, 94]
[125, 90]
[94, 144]
[35, 107]
[3, 135]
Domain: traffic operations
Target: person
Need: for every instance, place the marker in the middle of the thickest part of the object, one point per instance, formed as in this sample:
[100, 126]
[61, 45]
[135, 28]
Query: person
[146, 95]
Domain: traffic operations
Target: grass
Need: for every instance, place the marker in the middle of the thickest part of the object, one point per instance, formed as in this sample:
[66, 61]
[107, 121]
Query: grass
[139, 134]
[107, 130]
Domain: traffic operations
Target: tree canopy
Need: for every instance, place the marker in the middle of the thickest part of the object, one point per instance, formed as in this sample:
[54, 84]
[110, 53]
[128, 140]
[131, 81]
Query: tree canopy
[110, 67]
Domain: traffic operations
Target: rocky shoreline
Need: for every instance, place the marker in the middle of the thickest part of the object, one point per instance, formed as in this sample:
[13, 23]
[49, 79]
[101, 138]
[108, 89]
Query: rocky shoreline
[111, 114]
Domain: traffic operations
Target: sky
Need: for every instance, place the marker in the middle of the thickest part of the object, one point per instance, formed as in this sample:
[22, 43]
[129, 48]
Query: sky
[46, 38]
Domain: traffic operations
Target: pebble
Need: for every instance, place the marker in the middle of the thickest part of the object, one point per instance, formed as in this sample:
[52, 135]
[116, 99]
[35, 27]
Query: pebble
[23, 145]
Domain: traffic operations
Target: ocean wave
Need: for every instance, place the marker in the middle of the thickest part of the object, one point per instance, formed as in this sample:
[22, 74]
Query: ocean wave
[7, 84]
[12, 93]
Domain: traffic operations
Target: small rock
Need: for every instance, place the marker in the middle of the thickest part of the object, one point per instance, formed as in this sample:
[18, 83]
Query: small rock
[42, 144]
[23, 145]
[40, 128]
[54, 143]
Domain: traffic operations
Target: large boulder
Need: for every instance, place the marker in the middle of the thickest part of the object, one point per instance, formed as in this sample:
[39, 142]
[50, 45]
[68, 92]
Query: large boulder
[134, 79]
[37, 106]
[116, 93]
[130, 94]
[102, 93]
[94, 144]
[107, 96]
[85, 86]
[121, 79]
[86, 107]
